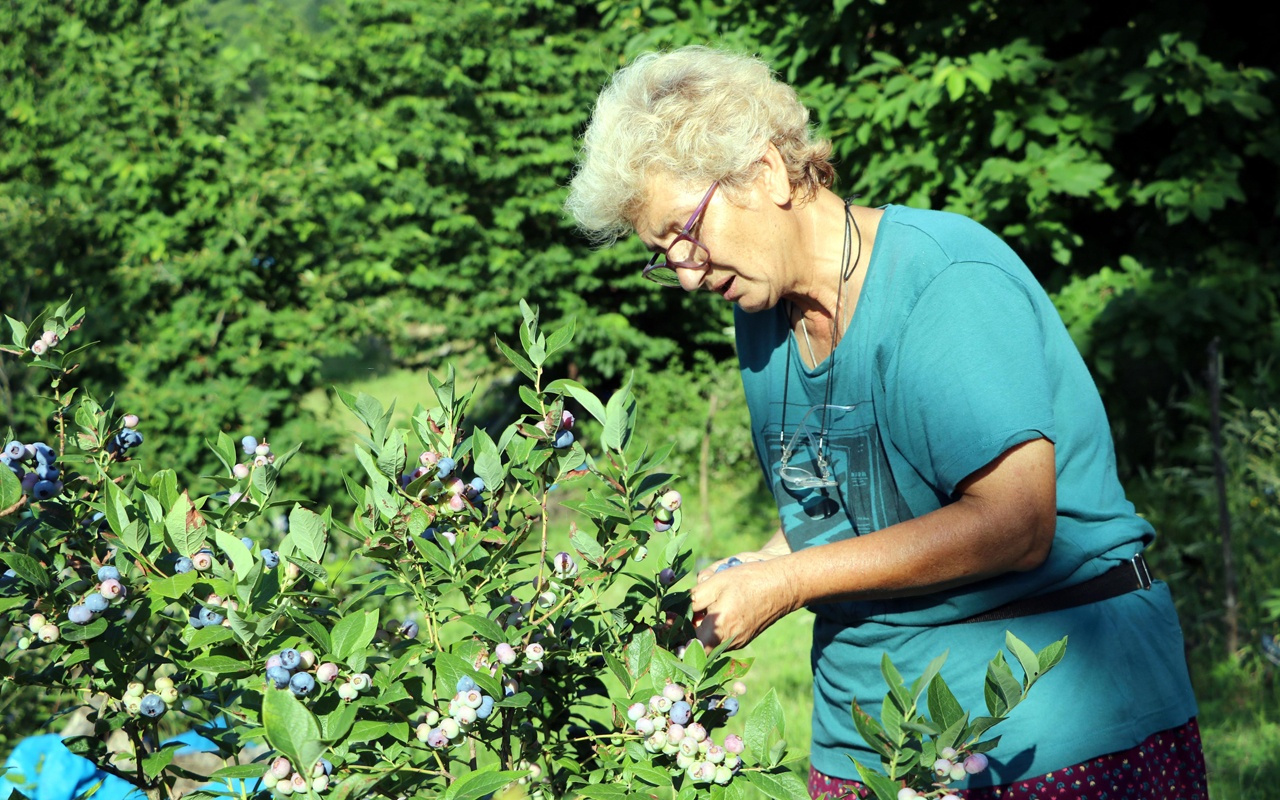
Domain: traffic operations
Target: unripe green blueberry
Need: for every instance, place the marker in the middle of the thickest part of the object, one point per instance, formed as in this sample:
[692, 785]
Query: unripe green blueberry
[534, 652]
[24, 643]
[688, 747]
[465, 715]
[169, 696]
[671, 748]
[683, 760]
[907, 793]
[715, 754]
[163, 683]
[957, 772]
[505, 653]
[432, 717]
[48, 633]
[644, 725]
[133, 704]
[654, 742]
[422, 731]
[36, 622]
[281, 767]
[660, 703]
[284, 787]
[320, 784]
[948, 753]
[546, 600]
[635, 711]
[942, 767]
[268, 780]
[663, 515]
[472, 698]
[348, 691]
[723, 775]
[659, 723]
[670, 501]
[361, 681]
[450, 727]
[308, 659]
[641, 553]
[732, 762]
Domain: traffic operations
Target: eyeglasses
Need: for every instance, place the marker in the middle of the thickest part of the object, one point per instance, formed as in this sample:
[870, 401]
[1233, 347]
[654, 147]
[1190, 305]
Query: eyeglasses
[685, 251]
[799, 477]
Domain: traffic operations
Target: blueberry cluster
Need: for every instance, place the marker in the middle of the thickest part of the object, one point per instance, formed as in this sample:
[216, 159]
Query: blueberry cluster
[41, 479]
[454, 494]
[291, 669]
[207, 615]
[261, 455]
[664, 513]
[126, 439]
[282, 779]
[561, 435]
[152, 704]
[667, 725]
[47, 340]
[468, 706]
[44, 630]
[108, 591]
[200, 562]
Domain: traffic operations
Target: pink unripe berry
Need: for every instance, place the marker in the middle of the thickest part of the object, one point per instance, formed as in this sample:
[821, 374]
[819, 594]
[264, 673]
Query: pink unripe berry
[457, 502]
[739, 688]
[673, 692]
[131, 420]
[327, 672]
[635, 711]
[456, 486]
[975, 763]
[733, 743]
[564, 564]
[241, 471]
[696, 732]
[644, 725]
[660, 703]
[48, 633]
[111, 589]
[715, 754]
[263, 449]
[675, 733]
[505, 653]
[300, 782]
[428, 458]
[202, 561]
[274, 661]
[39, 347]
[437, 738]
[51, 338]
[957, 772]
[281, 767]
[566, 420]
[261, 461]
[671, 500]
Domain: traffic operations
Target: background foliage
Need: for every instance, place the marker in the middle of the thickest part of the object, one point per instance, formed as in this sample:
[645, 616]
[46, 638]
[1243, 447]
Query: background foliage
[260, 200]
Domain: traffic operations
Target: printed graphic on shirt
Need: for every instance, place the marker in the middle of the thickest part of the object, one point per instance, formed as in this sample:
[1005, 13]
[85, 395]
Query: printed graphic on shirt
[836, 482]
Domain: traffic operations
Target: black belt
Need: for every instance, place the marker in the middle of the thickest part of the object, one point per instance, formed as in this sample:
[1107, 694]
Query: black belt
[1121, 579]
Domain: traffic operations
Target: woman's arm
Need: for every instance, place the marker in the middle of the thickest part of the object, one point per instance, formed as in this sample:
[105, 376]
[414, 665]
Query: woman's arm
[1003, 520]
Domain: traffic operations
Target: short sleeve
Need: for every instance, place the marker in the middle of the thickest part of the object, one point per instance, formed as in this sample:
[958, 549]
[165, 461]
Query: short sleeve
[969, 379]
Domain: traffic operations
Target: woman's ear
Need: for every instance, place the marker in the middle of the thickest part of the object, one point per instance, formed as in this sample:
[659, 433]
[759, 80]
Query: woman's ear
[774, 179]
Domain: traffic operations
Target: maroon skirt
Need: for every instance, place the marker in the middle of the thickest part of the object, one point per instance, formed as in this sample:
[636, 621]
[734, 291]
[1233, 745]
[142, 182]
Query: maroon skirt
[1167, 764]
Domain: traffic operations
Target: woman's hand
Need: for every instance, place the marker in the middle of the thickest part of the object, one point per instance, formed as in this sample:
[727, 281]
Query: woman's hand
[739, 603]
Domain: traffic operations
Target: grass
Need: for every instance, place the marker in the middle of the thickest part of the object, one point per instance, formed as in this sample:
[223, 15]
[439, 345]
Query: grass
[1239, 702]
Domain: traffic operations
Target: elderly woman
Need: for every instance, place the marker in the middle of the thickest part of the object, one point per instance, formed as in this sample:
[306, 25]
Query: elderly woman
[939, 454]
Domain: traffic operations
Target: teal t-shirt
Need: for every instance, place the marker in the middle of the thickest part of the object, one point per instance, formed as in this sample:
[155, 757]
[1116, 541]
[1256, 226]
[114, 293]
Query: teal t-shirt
[954, 355]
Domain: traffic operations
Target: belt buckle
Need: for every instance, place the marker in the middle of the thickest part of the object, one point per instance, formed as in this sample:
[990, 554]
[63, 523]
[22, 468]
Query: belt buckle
[1140, 569]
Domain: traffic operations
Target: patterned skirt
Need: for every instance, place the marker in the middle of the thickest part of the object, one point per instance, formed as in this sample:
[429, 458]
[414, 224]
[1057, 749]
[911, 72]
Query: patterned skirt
[1168, 764]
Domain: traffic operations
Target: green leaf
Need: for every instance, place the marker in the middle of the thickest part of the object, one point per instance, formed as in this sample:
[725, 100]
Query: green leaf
[639, 653]
[475, 785]
[224, 449]
[81, 633]
[136, 536]
[1026, 657]
[943, 706]
[602, 791]
[921, 684]
[620, 418]
[561, 337]
[620, 672]
[353, 633]
[582, 394]
[292, 729]
[488, 462]
[1002, 687]
[232, 771]
[10, 488]
[114, 507]
[484, 627]
[781, 785]
[306, 531]
[185, 526]
[154, 763]
[26, 567]
[1051, 655]
[870, 730]
[241, 558]
[883, 787]
[222, 665]
[335, 725]
[392, 457]
[764, 719]
[518, 361]
[173, 588]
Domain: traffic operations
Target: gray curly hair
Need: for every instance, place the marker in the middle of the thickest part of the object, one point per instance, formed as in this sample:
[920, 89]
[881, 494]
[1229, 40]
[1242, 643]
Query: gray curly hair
[696, 113]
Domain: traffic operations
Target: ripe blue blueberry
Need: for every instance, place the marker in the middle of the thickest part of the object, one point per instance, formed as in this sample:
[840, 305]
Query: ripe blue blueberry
[248, 444]
[80, 615]
[290, 658]
[108, 573]
[270, 559]
[279, 676]
[183, 564]
[327, 766]
[444, 467]
[247, 542]
[43, 490]
[15, 450]
[563, 439]
[44, 454]
[47, 472]
[210, 617]
[730, 705]
[96, 603]
[465, 684]
[302, 684]
[152, 706]
[486, 707]
[680, 712]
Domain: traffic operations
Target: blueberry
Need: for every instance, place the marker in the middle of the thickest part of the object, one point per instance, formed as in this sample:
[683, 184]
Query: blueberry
[279, 676]
[44, 454]
[43, 490]
[80, 615]
[465, 684]
[210, 617]
[15, 450]
[563, 439]
[152, 706]
[96, 603]
[194, 620]
[183, 564]
[47, 472]
[302, 684]
[680, 712]
[327, 765]
[486, 707]
[444, 467]
[270, 559]
[247, 542]
[290, 658]
[730, 705]
[477, 485]
[108, 573]
[409, 630]
[248, 444]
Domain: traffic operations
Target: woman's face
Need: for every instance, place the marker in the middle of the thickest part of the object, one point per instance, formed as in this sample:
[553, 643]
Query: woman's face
[744, 241]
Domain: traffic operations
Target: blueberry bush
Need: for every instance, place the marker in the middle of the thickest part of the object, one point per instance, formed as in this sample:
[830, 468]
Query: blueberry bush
[445, 640]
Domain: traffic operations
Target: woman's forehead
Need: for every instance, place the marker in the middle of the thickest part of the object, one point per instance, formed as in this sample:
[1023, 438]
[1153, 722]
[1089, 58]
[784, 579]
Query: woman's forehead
[665, 204]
